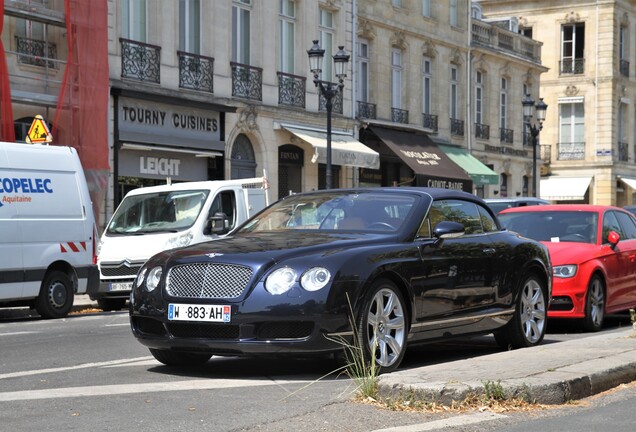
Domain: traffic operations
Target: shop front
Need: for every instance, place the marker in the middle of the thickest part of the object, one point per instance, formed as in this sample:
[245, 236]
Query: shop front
[411, 158]
[159, 139]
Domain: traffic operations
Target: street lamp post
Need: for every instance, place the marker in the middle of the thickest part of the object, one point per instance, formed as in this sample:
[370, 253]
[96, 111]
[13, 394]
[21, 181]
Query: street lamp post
[530, 109]
[328, 89]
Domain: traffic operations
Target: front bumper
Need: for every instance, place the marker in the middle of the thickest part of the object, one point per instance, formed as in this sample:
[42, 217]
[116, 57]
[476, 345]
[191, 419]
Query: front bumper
[260, 324]
[568, 298]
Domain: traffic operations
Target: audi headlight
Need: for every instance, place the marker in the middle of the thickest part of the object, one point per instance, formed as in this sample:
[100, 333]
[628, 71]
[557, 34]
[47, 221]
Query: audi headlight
[179, 241]
[154, 276]
[564, 271]
[280, 281]
[140, 276]
[315, 278]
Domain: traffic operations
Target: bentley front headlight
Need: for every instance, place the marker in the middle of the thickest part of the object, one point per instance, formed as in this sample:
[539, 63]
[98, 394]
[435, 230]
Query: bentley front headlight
[280, 281]
[154, 276]
[315, 278]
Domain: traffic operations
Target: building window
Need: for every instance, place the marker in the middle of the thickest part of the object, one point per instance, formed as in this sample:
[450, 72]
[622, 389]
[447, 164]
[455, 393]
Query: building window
[503, 104]
[287, 25]
[426, 8]
[396, 78]
[453, 92]
[326, 31]
[572, 48]
[479, 97]
[397, 3]
[503, 187]
[427, 86]
[623, 51]
[571, 131]
[363, 70]
[526, 31]
[190, 26]
[453, 13]
[133, 15]
[241, 11]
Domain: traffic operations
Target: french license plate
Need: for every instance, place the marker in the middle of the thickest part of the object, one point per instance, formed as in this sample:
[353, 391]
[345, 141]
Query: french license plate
[197, 312]
[121, 286]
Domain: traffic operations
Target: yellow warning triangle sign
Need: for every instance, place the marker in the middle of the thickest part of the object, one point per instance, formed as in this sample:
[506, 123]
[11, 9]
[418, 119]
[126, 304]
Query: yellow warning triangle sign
[39, 132]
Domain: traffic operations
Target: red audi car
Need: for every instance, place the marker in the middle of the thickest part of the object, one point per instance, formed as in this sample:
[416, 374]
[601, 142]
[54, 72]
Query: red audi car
[593, 254]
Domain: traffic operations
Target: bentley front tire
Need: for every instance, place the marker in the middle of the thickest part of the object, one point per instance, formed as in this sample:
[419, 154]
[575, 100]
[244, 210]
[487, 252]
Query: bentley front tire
[382, 326]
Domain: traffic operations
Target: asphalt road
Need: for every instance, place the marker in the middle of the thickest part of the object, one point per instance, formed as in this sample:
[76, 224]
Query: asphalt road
[86, 372]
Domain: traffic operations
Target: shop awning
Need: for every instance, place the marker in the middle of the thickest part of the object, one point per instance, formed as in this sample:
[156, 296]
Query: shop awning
[480, 173]
[564, 188]
[345, 150]
[631, 182]
[425, 158]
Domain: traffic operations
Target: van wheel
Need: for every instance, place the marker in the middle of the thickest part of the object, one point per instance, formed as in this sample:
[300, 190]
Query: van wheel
[56, 295]
[108, 304]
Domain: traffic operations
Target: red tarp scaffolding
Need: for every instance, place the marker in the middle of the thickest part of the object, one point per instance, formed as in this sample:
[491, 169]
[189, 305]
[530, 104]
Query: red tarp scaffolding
[7, 132]
[81, 115]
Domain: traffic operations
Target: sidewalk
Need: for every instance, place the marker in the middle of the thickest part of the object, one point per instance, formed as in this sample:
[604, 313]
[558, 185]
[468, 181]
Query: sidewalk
[551, 373]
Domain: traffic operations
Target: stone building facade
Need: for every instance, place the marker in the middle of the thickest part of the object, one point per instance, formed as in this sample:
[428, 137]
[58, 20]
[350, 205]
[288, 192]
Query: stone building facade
[219, 90]
[588, 140]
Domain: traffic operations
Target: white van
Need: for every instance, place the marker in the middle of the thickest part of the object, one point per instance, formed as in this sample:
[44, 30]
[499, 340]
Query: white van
[48, 229]
[152, 219]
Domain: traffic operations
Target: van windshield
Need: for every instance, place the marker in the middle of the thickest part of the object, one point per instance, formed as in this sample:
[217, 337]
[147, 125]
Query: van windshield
[170, 211]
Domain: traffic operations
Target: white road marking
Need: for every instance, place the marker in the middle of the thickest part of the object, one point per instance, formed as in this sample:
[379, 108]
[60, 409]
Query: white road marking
[461, 420]
[17, 333]
[117, 325]
[120, 389]
[67, 368]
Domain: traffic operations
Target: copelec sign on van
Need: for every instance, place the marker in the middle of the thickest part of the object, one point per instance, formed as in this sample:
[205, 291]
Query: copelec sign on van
[48, 228]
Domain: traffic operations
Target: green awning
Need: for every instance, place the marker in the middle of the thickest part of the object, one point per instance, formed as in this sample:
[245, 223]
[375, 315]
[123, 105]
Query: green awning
[478, 172]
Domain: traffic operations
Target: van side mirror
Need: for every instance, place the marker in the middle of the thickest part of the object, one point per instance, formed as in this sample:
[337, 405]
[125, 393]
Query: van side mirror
[218, 224]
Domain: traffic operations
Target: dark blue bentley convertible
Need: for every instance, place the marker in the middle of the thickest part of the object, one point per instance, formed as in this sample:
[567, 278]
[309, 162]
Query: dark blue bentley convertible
[386, 266]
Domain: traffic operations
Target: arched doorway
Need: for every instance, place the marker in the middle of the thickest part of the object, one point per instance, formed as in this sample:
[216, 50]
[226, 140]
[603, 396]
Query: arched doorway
[242, 159]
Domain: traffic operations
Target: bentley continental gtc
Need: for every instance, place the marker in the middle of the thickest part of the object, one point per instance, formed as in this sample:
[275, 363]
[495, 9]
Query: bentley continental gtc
[381, 267]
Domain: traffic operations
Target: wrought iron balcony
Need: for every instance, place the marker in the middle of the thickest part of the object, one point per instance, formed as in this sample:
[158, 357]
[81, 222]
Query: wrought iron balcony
[429, 121]
[140, 61]
[247, 81]
[366, 110]
[572, 66]
[336, 101]
[457, 127]
[482, 131]
[623, 151]
[571, 151]
[506, 135]
[399, 115]
[196, 72]
[36, 52]
[624, 68]
[291, 90]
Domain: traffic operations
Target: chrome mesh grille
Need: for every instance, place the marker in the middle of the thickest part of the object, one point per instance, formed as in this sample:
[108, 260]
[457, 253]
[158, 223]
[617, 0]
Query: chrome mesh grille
[223, 281]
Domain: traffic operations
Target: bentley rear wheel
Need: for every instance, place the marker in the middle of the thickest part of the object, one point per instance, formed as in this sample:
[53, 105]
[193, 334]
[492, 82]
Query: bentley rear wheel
[528, 325]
